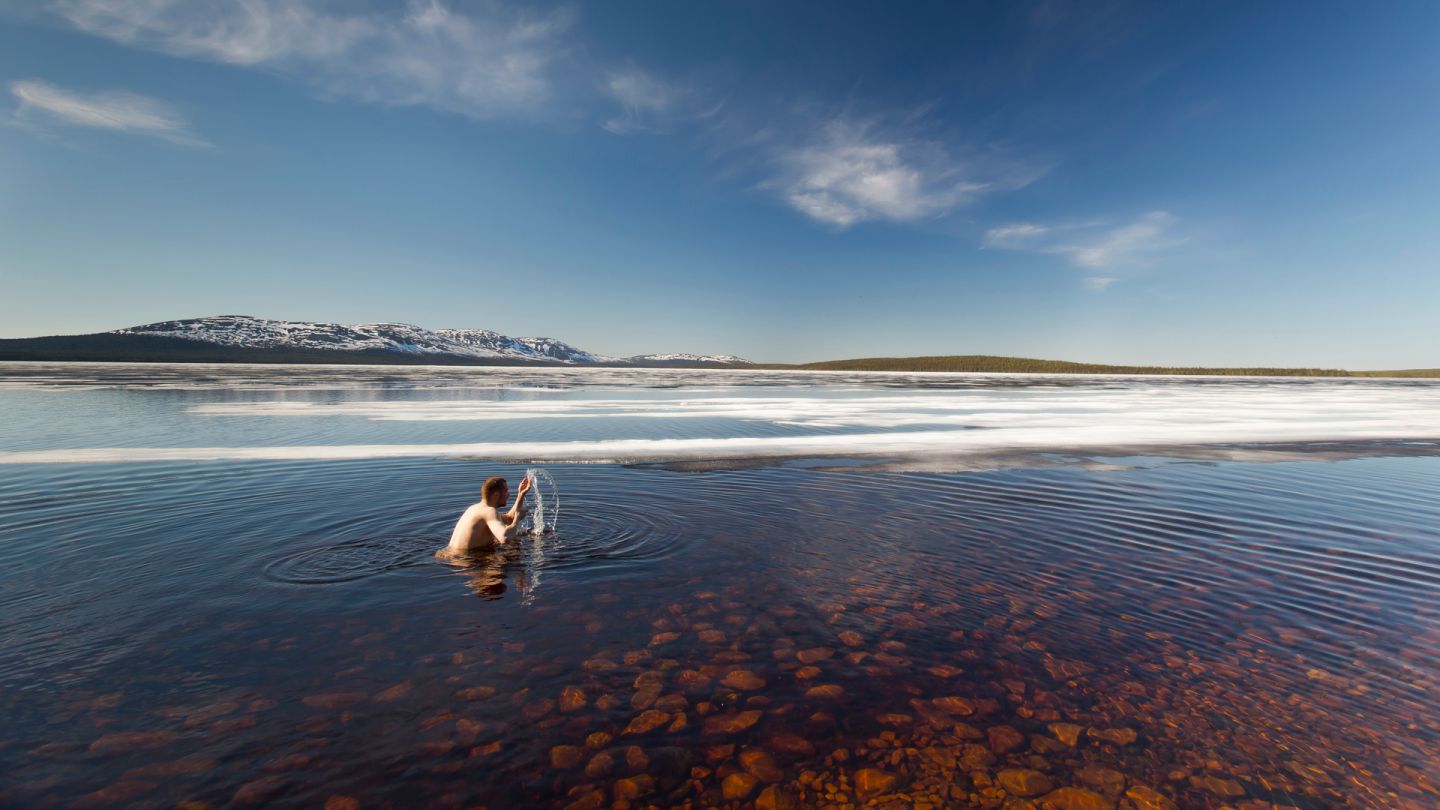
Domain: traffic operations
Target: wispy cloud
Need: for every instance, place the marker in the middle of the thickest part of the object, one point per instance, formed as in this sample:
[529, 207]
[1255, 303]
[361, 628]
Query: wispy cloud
[43, 105]
[644, 100]
[851, 173]
[1096, 246]
[482, 64]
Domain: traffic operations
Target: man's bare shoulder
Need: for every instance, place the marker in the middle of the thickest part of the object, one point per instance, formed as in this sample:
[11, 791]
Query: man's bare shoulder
[478, 510]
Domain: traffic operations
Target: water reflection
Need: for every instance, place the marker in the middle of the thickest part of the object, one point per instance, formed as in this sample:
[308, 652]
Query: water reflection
[485, 571]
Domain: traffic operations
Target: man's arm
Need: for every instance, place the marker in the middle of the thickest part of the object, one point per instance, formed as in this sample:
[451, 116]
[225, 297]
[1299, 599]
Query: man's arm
[501, 529]
[517, 511]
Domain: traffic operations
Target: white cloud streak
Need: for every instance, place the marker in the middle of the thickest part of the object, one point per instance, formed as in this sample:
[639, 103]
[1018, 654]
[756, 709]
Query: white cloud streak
[480, 65]
[1093, 246]
[643, 98]
[849, 173]
[43, 105]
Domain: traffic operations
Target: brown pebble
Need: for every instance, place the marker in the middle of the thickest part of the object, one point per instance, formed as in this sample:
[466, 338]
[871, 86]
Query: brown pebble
[600, 765]
[1115, 736]
[112, 795]
[394, 693]
[870, 782]
[1024, 781]
[681, 721]
[1004, 739]
[1227, 788]
[954, 705]
[647, 721]
[594, 800]
[1148, 799]
[636, 759]
[731, 723]
[634, 787]
[792, 744]
[761, 765]
[133, 740]
[338, 802]
[566, 757]
[1106, 780]
[814, 654]
[260, 791]
[572, 699]
[1068, 733]
[744, 680]
[776, 797]
[485, 750]
[1073, 798]
[475, 693]
[738, 786]
[825, 691]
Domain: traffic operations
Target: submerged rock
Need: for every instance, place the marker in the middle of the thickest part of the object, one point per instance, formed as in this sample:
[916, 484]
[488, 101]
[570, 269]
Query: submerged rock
[1024, 781]
[336, 700]
[744, 680]
[761, 765]
[1148, 799]
[647, 721]
[132, 741]
[738, 786]
[1115, 736]
[1004, 739]
[954, 705]
[1068, 733]
[572, 699]
[870, 782]
[731, 723]
[1073, 798]
[776, 797]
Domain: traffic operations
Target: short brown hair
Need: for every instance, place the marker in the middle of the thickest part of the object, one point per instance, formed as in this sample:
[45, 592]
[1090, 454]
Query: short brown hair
[491, 484]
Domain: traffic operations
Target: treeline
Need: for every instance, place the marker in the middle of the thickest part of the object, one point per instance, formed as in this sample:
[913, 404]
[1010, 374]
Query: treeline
[1027, 365]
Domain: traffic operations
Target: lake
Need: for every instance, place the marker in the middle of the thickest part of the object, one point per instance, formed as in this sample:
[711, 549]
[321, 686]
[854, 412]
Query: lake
[793, 589]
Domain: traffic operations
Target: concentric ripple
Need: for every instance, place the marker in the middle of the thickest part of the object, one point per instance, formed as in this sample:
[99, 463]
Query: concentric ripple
[351, 560]
[607, 536]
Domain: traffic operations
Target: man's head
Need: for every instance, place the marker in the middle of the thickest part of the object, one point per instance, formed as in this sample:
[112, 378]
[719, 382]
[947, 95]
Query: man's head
[495, 492]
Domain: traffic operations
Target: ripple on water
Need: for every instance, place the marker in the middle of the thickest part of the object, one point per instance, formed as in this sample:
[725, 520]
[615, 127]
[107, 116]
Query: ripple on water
[606, 538]
[351, 560]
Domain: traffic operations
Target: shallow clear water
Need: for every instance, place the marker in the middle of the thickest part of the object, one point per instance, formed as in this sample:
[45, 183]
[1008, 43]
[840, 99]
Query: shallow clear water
[1141, 615]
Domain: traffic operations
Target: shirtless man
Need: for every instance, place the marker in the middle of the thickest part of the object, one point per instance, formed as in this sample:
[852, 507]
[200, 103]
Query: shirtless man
[482, 527]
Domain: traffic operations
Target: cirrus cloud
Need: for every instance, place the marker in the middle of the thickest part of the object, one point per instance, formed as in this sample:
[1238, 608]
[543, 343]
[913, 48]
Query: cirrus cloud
[43, 105]
[849, 173]
[1097, 246]
[481, 64]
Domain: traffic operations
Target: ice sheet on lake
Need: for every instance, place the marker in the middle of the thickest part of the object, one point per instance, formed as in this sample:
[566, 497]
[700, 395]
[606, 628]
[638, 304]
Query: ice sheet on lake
[913, 423]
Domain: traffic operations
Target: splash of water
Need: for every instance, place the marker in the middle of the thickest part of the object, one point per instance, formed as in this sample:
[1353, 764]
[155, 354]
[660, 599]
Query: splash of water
[543, 514]
[547, 502]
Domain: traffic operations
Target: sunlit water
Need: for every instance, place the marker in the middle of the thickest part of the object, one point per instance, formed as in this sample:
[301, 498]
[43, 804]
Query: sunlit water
[790, 585]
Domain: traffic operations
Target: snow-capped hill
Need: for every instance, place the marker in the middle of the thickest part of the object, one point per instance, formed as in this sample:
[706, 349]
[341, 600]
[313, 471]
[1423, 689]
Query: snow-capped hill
[687, 359]
[536, 347]
[243, 331]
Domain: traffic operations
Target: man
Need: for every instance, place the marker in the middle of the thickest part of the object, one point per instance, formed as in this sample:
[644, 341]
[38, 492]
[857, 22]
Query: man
[482, 527]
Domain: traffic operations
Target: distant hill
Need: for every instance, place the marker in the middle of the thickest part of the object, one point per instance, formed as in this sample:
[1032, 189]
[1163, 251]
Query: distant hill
[992, 364]
[245, 339]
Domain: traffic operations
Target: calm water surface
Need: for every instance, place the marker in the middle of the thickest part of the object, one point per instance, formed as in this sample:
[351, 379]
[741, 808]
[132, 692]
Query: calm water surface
[217, 586]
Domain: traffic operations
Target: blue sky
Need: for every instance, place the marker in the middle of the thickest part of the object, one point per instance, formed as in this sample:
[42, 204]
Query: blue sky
[1182, 183]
